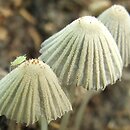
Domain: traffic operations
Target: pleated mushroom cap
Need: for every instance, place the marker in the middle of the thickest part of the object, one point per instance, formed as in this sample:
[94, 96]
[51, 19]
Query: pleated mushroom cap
[31, 91]
[117, 20]
[84, 53]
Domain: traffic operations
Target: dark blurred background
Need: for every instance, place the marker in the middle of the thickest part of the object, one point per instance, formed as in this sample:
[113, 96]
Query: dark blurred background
[25, 24]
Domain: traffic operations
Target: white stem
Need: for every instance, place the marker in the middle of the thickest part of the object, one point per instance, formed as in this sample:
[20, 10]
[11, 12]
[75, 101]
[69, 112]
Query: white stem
[43, 123]
[80, 113]
[64, 122]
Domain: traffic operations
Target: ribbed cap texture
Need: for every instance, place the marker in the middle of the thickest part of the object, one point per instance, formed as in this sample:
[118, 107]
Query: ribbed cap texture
[117, 20]
[84, 53]
[32, 91]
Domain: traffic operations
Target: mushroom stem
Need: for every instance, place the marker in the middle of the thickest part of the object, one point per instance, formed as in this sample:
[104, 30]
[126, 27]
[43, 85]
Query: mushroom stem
[18, 127]
[65, 121]
[12, 125]
[79, 115]
[43, 124]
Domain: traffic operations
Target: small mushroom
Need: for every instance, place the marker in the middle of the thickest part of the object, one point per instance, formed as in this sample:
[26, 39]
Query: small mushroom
[32, 91]
[117, 20]
[84, 53]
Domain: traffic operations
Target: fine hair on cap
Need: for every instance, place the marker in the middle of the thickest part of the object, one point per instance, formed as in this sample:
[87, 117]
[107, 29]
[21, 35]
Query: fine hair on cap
[32, 91]
[84, 53]
[117, 20]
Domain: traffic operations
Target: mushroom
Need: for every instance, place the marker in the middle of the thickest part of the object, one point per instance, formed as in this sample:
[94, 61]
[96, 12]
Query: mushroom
[84, 53]
[32, 91]
[117, 20]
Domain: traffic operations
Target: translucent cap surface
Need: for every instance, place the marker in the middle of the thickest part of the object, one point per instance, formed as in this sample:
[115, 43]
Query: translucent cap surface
[84, 53]
[32, 91]
[117, 20]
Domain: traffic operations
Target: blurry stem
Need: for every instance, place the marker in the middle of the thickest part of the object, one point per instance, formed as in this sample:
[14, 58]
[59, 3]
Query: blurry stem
[11, 125]
[65, 119]
[80, 113]
[64, 122]
[14, 126]
[43, 123]
[18, 127]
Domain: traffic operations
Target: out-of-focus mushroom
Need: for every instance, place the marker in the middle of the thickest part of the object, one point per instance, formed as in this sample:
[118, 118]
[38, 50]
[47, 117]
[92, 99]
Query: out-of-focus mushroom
[84, 53]
[117, 20]
[32, 91]
[96, 7]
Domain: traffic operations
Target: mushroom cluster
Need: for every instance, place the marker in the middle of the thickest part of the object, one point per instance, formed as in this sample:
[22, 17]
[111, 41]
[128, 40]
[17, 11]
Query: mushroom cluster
[84, 53]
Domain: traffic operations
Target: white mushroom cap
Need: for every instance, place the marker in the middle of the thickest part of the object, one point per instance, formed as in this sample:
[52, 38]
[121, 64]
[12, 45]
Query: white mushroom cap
[84, 53]
[31, 91]
[117, 20]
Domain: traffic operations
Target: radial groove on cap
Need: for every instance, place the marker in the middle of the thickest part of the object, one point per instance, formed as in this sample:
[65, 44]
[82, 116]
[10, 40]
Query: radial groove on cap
[117, 20]
[32, 91]
[87, 57]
